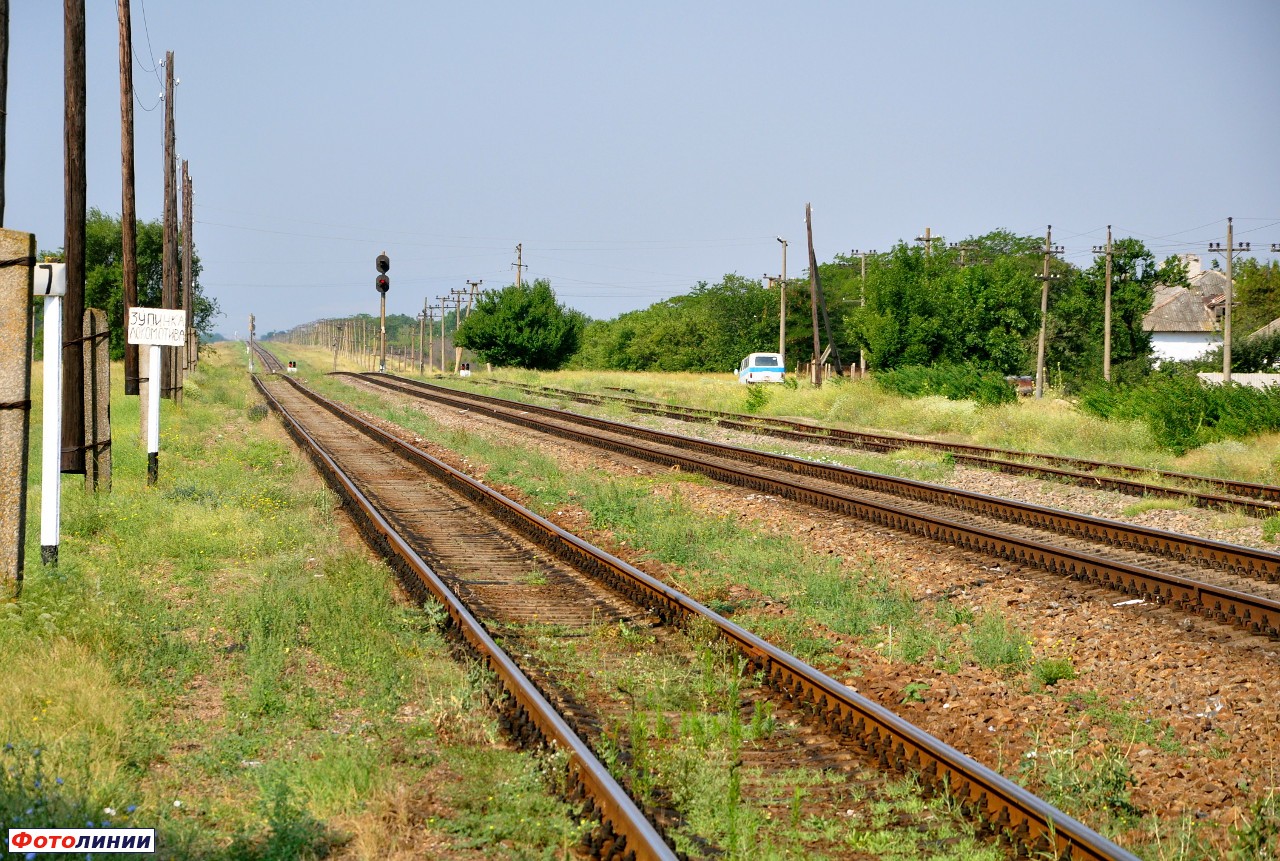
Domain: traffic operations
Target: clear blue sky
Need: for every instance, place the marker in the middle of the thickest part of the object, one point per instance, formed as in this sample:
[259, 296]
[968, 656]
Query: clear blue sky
[636, 149]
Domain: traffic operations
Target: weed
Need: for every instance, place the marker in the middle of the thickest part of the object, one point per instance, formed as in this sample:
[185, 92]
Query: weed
[1156, 503]
[1050, 671]
[913, 692]
[998, 644]
[291, 832]
[1259, 836]
[1078, 783]
[1271, 528]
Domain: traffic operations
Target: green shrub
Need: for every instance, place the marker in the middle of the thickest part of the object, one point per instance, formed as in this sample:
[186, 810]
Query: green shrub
[757, 397]
[1184, 413]
[1050, 671]
[955, 382]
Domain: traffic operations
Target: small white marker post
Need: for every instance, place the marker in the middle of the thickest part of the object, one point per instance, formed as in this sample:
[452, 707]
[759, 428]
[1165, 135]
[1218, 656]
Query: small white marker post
[157, 327]
[50, 281]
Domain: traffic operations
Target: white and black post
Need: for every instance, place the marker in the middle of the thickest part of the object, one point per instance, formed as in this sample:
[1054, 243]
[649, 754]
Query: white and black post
[156, 327]
[50, 281]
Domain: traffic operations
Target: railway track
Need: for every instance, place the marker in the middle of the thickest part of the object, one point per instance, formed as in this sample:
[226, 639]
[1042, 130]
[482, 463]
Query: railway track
[1251, 498]
[380, 477]
[1222, 582]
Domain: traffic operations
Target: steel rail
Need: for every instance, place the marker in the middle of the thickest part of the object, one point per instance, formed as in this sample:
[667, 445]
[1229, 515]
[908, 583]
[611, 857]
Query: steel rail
[625, 833]
[1253, 498]
[1254, 613]
[895, 742]
[1235, 558]
[268, 358]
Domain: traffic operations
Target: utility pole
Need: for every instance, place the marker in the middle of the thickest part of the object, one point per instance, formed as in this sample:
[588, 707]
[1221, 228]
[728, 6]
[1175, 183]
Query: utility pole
[457, 322]
[962, 248]
[1106, 308]
[928, 239]
[128, 191]
[188, 248]
[1049, 250]
[422, 326]
[4, 112]
[782, 309]
[1216, 248]
[443, 311]
[862, 303]
[474, 286]
[519, 264]
[72, 456]
[816, 369]
[169, 377]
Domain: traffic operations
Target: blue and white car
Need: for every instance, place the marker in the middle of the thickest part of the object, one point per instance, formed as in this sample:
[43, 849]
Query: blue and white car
[761, 368]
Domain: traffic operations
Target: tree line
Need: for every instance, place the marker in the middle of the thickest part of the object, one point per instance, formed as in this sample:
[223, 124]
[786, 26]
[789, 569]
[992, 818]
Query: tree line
[974, 303]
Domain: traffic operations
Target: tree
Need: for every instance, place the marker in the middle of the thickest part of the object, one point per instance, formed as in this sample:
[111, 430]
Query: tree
[708, 329]
[1257, 294]
[522, 326]
[1076, 312]
[925, 308]
[104, 279]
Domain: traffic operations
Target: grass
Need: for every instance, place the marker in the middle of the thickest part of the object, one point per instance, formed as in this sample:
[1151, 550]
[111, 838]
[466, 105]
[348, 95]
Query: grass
[209, 660]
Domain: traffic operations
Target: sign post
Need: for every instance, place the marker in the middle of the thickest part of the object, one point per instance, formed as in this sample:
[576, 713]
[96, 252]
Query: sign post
[50, 281]
[156, 327]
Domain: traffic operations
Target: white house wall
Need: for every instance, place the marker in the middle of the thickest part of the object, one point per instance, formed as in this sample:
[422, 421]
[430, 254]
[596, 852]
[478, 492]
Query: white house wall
[1181, 346]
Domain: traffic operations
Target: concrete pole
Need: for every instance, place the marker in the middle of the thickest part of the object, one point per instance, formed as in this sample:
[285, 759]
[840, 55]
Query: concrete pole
[1106, 317]
[1226, 320]
[782, 309]
[1044, 313]
[15, 400]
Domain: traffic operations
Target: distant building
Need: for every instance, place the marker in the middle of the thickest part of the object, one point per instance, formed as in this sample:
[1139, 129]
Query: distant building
[1185, 323]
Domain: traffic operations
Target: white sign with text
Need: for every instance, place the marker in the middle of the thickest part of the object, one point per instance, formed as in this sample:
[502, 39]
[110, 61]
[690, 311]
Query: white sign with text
[162, 327]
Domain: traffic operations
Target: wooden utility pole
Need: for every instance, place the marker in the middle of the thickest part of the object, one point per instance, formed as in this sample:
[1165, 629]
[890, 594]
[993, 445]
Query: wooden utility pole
[1049, 250]
[519, 264]
[188, 247]
[1106, 308]
[169, 299]
[4, 96]
[75, 180]
[128, 191]
[816, 369]
[815, 282]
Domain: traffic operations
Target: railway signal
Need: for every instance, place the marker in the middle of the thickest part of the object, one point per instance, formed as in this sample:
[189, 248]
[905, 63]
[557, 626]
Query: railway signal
[382, 284]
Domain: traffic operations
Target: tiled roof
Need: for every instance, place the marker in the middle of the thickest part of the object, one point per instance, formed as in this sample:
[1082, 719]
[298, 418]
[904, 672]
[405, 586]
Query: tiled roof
[1176, 309]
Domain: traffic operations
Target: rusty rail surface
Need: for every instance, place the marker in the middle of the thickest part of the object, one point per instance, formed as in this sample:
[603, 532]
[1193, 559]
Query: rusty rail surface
[624, 832]
[1252, 498]
[1256, 614]
[893, 741]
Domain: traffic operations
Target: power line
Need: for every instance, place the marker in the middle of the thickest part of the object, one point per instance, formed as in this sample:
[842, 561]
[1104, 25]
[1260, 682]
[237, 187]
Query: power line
[155, 66]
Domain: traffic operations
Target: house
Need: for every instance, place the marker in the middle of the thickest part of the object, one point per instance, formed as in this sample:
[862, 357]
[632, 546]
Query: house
[1185, 323]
